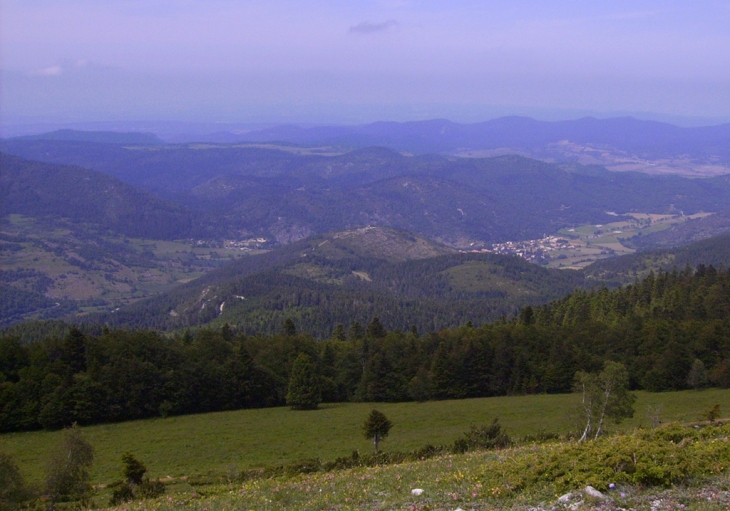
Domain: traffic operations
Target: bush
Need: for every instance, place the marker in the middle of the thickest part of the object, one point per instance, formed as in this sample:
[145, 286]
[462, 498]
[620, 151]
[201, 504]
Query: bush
[305, 466]
[149, 489]
[659, 457]
[134, 485]
[67, 473]
[121, 492]
[12, 486]
[483, 437]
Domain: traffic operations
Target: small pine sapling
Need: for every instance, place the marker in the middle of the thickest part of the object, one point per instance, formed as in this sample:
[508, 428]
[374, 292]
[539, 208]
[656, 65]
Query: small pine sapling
[712, 414]
[377, 426]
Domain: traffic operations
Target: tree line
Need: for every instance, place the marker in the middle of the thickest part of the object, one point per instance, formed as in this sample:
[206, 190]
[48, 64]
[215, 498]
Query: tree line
[671, 331]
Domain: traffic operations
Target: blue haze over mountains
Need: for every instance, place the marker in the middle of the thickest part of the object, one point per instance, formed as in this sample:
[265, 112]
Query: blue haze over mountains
[291, 183]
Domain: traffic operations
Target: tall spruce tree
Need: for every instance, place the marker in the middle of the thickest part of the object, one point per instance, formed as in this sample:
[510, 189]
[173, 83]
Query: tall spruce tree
[304, 391]
[376, 427]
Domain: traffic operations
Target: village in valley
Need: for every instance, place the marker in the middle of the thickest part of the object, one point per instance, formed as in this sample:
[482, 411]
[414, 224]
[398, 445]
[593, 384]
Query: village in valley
[577, 247]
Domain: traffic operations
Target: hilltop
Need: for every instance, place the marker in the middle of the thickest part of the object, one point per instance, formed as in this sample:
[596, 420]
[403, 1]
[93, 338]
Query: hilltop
[284, 196]
[350, 276]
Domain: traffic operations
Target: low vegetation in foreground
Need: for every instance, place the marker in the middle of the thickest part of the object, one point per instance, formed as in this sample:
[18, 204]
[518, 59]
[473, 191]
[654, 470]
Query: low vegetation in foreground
[672, 467]
[211, 461]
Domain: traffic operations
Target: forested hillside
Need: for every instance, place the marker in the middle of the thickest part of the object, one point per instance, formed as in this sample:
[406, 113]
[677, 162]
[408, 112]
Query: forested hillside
[713, 251]
[51, 191]
[671, 330]
[284, 196]
[682, 234]
[354, 275]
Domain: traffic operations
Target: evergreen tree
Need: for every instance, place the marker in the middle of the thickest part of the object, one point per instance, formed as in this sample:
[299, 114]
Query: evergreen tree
[356, 331]
[420, 387]
[304, 391]
[377, 426]
[697, 377]
[133, 469]
[74, 351]
[289, 328]
[376, 330]
[339, 333]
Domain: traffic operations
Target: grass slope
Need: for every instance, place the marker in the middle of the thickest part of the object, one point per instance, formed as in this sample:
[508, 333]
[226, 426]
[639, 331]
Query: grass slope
[218, 443]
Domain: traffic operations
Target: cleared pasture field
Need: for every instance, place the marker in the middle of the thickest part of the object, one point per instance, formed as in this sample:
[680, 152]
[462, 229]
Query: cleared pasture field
[218, 443]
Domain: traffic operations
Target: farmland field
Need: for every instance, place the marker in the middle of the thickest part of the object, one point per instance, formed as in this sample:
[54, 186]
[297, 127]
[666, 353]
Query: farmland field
[592, 242]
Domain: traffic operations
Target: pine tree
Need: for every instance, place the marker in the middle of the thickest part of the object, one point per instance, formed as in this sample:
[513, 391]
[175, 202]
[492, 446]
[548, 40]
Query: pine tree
[376, 330]
[339, 333]
[697, 377]
[74, 350]
[377, 426]
[304, 391]
[289, 328]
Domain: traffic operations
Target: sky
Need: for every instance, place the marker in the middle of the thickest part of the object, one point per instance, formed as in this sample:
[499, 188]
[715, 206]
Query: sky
[326, 61]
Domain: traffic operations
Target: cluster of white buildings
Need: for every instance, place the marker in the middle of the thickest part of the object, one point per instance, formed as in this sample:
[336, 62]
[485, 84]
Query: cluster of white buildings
[532, 250]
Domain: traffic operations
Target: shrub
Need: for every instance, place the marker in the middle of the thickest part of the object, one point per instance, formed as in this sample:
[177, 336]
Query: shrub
[121, 492]
[659, 457]
[12, 486]
[135, 485]
[67, 473]
[150, 488]
[483, 437]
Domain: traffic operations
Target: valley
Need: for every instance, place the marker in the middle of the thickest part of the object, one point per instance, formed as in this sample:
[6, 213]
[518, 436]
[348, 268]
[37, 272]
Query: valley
[577, 247]
[97, 270]
[128, 230]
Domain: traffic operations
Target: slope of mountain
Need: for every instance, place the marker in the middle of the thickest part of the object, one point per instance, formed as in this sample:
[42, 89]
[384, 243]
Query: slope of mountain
[682, 234]
[713, 251]
[45, 190]
[102, 137]
[352, 276]
[284, 196]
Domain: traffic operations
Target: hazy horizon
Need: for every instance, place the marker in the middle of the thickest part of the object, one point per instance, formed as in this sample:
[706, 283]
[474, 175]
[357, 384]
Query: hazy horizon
[321, 62]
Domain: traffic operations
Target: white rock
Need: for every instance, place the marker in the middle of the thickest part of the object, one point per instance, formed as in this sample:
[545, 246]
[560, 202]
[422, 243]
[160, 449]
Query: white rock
[565, 498]
[592, 492]
[416, 491]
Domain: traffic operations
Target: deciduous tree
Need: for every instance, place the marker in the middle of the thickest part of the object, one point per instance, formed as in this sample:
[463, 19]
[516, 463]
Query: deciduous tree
[67, 473]
[604, 395]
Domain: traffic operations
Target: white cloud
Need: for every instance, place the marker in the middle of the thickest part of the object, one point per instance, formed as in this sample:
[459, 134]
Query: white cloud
[366, 27]
[48, 71]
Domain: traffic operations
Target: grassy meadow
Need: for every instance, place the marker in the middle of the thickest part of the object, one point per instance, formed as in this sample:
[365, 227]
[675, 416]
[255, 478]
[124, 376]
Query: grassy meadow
[593, 242]
[219, 443]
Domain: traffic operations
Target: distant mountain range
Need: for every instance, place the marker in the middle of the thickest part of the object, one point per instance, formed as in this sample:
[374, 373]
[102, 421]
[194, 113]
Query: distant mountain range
[99, 137]
[284, 196]
[423, 208]
[647, 139]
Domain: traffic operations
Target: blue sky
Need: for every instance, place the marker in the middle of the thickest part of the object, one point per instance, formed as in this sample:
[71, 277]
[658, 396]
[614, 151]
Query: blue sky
[327, 61]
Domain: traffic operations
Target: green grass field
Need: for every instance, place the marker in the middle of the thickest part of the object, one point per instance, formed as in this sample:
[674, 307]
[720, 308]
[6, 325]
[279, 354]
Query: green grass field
[593, 242]
[217, 443]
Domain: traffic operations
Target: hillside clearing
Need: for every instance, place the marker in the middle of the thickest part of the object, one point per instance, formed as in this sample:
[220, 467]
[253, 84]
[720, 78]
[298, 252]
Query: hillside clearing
[216, 443]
